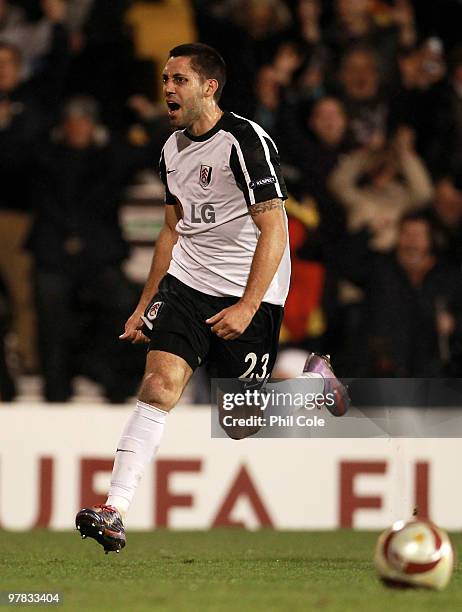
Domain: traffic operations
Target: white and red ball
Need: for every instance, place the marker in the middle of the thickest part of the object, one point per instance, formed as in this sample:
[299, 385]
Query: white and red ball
[414, 553]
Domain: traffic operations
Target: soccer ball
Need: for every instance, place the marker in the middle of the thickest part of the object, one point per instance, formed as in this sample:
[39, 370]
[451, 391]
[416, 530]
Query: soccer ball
[415, 553]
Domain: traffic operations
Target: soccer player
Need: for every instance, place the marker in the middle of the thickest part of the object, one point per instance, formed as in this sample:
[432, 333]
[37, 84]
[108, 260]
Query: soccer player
[219, 275]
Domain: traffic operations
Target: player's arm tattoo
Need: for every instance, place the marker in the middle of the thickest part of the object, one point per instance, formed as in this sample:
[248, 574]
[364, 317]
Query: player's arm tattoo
[261, 207]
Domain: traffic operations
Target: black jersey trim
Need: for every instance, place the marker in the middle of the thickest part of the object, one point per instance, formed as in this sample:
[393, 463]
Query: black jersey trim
[257, 160]
[216, 128]
[236, 168]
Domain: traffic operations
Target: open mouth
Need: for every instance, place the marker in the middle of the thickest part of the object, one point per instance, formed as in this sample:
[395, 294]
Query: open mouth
[172, 108]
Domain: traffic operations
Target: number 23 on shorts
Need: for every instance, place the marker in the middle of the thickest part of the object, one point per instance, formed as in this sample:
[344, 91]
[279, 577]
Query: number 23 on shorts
[252, 359]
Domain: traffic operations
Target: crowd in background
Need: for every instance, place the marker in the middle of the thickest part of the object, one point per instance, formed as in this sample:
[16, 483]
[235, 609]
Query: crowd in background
[364, 100]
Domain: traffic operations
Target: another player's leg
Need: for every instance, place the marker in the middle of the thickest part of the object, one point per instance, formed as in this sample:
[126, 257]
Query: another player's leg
[164, 381]
[319, 365]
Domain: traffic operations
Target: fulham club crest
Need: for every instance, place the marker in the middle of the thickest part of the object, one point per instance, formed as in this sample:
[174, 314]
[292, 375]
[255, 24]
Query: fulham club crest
[151, 313]
[154, 310]
[205, 176]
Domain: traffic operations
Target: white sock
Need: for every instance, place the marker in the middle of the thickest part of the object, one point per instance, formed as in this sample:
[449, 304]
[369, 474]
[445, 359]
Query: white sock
[314, 375]
[137, 446]
[289, 385]
[310, 375]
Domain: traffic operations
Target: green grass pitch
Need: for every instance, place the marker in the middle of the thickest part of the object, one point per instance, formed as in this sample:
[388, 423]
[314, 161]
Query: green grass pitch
[219, 570]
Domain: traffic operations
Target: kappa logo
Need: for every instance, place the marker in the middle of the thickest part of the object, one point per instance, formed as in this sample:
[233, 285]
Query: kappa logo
[154, 310]
[205, 176]
[267, 180]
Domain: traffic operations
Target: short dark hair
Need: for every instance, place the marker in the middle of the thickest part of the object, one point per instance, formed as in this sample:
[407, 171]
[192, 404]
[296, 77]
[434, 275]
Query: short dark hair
[417, 215]
[206, 61]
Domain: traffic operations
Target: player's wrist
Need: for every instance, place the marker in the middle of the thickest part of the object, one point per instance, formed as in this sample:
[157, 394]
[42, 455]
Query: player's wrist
[142, 305]
[145, 300]
[250, 303]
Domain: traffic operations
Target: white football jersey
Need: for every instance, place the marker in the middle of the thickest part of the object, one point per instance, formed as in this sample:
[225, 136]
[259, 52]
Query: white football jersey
[214, 178]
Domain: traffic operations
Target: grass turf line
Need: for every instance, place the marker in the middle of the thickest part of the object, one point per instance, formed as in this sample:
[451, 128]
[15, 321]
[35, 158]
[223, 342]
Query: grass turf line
[218, 570]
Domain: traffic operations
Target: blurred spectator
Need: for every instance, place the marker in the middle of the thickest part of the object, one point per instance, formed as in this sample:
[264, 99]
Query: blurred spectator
[26, 111]
[412, 308]
[353, 23]
[308, 33]
[103, 62]
[287, 59]
[268, 99]
[421, 67]
[33, 39]
[360, 90]
[247, 33]
[314, 148]
[78, 249]
[308, 13]
[401, 13]
[414, 103]
[271, 88]
[378, 186]
[310, 81]
[261, 19]
[445, 142]
[374, 24]
[78, 12]
[446, 214]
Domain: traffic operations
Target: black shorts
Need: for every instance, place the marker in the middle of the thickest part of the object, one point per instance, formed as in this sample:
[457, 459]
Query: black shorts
[177, 315]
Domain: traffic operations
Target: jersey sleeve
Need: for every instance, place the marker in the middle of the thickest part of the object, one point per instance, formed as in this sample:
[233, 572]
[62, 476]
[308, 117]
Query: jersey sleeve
[254, 161]
[168, 197]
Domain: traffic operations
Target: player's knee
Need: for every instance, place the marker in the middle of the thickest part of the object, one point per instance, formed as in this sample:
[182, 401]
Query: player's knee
[160, 390]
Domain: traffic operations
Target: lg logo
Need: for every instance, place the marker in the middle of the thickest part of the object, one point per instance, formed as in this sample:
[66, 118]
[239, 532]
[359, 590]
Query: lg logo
[202, 214]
